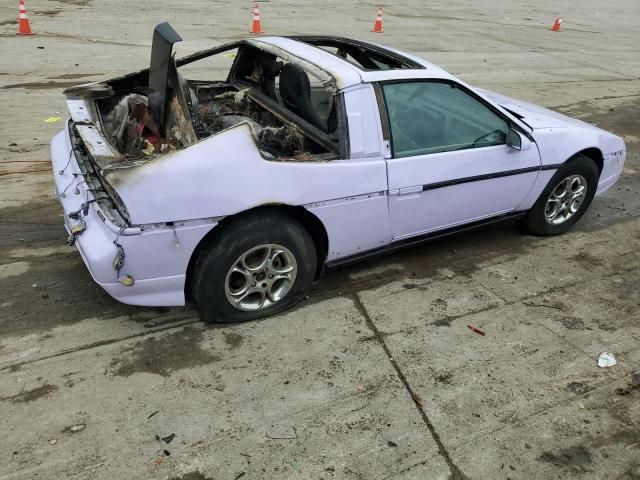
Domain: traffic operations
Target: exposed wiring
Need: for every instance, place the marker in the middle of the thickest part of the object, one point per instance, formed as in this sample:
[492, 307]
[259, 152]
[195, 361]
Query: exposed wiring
[76, 230]
[83, 211]
[63, 194]
[61, 172]
[77, 189]
[118, 261]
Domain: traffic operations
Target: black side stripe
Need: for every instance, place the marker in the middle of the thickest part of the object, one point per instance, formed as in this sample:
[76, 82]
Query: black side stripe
[488, 176]
[554, 166]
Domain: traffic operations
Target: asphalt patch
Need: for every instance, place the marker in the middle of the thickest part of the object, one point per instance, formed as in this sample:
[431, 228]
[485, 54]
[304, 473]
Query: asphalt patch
[27, 396]
[444, 378]
[572, 323]
[70, 76]
[233, 339]
[579, 388]
[576, 458]
[78, 3]
[164, 355]
[192, 476]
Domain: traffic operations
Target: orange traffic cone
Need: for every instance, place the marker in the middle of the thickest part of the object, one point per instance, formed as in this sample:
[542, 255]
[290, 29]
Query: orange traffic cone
[556, 25]
[256, 28]
[23, 22]
[377, 27]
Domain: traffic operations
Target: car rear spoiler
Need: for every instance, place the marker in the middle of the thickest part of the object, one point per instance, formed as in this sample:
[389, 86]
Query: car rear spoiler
[164, 36]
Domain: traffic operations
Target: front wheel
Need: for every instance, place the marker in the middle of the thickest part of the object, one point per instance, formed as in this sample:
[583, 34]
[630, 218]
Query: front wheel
[258, 265]
[565, 199]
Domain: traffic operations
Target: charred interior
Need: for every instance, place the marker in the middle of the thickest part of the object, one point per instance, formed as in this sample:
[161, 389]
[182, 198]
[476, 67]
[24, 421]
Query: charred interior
[293, 112]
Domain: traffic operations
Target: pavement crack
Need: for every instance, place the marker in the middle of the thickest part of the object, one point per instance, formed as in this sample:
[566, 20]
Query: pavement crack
[456, 474]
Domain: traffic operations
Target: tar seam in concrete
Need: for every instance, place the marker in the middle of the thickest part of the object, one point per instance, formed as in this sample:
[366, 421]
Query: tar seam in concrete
[456, 474]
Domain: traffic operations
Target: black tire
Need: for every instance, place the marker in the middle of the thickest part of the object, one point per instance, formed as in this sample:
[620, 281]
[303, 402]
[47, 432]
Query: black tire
[240, 235]
[536, 223]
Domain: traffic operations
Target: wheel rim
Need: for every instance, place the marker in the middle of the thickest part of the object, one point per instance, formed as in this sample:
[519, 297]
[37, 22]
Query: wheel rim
[565, 199]
[261, 277]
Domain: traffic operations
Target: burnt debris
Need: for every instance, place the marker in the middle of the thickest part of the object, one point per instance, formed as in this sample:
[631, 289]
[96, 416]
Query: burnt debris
[273, 138]
[158, 111]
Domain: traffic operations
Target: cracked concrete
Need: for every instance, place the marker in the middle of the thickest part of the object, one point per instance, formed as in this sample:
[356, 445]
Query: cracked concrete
[377, 374]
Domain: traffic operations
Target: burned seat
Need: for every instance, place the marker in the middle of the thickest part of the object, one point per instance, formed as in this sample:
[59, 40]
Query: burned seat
[295, 92]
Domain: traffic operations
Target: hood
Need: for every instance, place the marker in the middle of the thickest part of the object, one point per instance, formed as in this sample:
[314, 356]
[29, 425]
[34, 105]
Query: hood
[534, 115]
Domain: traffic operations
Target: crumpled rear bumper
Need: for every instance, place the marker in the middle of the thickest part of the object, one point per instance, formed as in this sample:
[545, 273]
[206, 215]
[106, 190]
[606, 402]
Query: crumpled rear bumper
[155, 260]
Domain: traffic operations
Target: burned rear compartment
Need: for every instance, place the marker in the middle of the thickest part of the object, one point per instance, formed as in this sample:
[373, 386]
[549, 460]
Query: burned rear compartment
[275, 138]
[293, 111]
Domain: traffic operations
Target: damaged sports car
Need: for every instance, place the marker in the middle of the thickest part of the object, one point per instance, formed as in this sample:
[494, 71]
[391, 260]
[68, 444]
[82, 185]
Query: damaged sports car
[236, 187]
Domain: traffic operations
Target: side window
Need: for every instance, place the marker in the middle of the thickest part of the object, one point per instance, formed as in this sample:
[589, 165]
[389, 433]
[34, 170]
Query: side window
[432, 117]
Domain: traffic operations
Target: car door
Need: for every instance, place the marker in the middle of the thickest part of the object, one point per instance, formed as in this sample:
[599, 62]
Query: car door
[450, 161]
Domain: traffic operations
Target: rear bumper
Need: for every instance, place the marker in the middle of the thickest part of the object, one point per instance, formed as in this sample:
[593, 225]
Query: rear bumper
[156, 257]
[95, 244]
[153, 292]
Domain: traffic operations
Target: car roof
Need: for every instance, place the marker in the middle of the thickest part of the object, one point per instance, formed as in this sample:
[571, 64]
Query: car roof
[348, 74]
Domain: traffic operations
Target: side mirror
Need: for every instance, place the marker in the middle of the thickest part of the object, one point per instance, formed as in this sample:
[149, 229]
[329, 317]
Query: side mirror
[517, 141]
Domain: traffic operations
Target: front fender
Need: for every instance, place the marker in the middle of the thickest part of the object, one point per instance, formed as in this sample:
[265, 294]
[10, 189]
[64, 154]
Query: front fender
[558, 145]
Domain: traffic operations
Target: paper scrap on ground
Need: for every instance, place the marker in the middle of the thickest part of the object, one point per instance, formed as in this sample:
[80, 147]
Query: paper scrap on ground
[606, 359]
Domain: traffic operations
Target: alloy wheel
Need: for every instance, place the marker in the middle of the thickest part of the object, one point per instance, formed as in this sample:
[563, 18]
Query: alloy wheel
[565, 199]
[261, 277]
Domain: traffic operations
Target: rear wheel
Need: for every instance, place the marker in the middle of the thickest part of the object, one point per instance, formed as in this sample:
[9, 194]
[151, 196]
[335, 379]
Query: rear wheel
[260, 264]
[565, 199]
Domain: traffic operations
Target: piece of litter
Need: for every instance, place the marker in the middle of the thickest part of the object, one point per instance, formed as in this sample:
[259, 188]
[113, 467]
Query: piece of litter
[52, 441]
[476, 330]
[52, 119]
[606, 359]
[169, 438]
[34, 285]
[154, 413]
[77, 428]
